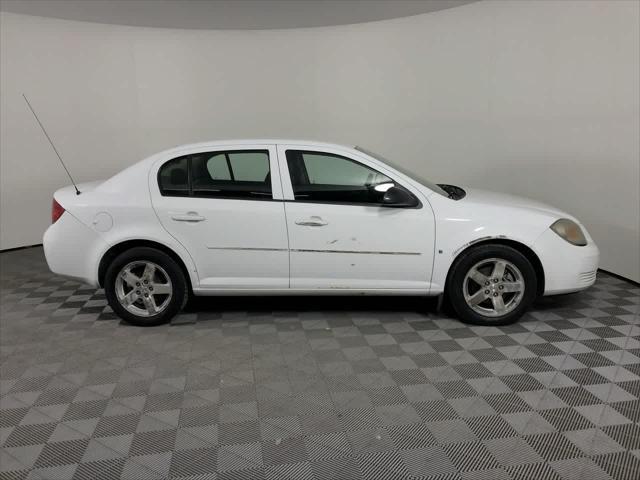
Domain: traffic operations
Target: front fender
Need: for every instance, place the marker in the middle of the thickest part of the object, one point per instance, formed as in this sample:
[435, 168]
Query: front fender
[457, 232]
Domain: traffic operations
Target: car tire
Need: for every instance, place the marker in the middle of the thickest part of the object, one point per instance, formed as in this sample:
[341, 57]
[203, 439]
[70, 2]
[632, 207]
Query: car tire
[481, 295]
[145, 286]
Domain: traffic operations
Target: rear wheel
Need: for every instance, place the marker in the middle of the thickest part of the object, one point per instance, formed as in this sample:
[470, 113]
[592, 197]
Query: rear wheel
[492, 285]
[145, 286]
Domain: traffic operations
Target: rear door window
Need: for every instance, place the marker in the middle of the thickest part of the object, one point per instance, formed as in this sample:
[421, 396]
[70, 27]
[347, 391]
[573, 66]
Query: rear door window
[226, 174]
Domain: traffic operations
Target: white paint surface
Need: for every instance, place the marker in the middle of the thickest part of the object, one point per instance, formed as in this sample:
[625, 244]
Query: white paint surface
[257, 245]
[534, 98]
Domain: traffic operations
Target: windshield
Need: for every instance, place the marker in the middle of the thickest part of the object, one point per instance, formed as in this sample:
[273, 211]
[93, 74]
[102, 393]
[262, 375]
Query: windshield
[418, 178]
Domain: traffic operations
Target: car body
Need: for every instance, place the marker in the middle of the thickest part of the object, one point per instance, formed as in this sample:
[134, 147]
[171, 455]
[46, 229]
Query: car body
[313, 225]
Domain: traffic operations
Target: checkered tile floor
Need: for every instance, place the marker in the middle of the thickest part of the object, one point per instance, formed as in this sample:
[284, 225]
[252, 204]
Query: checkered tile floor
[314, 388]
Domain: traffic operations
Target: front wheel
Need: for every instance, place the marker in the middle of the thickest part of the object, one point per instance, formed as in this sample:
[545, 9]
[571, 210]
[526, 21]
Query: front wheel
[145, 286]
[492, 285]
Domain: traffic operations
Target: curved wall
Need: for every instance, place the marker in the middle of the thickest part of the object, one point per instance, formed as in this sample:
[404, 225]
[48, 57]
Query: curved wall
[534, 98]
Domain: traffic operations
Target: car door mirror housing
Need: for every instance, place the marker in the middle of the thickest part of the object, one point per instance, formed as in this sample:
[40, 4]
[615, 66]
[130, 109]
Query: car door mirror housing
[399, 198]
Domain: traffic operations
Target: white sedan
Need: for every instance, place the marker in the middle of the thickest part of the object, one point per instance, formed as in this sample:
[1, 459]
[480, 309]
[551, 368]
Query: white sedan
[257, 217]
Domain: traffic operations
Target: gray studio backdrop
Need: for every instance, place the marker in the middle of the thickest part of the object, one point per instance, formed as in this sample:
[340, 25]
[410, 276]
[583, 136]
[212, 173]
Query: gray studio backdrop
[528, 97]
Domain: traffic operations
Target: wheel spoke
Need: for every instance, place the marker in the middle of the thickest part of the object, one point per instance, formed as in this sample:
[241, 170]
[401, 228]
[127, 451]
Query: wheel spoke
[498, 304]
[478, 277]
[498, 269]
[161, 288]
[150, 304]
[477, 297]
[130, 298]
[149, 271]
[130, 278]
[511, 287]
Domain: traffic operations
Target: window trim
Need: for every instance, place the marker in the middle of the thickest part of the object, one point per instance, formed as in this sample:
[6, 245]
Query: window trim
[190, 192]
[230, 168]
[336, 202]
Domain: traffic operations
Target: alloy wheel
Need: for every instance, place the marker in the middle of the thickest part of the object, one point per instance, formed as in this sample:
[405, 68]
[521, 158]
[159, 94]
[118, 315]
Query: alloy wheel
[493, 287]
[143, 288]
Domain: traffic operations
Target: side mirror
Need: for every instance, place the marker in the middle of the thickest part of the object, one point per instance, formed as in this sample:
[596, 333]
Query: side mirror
[399, 198]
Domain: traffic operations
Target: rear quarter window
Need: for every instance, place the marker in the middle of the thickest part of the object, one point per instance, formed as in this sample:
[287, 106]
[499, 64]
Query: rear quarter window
[173, 177]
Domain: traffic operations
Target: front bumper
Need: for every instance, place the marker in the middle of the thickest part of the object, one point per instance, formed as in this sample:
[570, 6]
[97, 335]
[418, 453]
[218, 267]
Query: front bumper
[567, 268]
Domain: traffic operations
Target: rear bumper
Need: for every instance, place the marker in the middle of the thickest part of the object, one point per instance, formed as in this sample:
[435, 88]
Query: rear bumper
[70, 248]
[567, 268]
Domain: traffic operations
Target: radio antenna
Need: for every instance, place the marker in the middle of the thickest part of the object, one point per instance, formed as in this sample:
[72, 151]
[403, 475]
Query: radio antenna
[52, 145]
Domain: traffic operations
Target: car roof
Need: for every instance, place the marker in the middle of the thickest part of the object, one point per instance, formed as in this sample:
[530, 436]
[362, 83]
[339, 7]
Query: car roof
[254, 141]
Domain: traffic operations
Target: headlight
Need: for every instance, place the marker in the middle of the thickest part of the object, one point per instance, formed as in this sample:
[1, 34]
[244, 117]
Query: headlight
[570, 231]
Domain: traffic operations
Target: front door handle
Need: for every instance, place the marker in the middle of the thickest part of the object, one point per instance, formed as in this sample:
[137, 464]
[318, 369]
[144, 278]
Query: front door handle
[187, 217]
[314, 221]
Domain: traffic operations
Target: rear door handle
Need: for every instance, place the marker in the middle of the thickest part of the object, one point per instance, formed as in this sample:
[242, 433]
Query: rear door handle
[314, 221]
[187, 217]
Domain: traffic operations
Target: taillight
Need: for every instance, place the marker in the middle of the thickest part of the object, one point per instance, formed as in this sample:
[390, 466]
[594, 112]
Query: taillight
[56, 211]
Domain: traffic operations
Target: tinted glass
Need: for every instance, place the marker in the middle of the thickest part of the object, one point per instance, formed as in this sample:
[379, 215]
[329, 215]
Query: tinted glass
[218, 168]
[173, 177]
[231, 174]
[331, 178]
[249, 166]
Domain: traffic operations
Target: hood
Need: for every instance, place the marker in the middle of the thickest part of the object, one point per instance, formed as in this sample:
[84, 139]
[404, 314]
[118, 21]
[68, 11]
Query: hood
[494, 199]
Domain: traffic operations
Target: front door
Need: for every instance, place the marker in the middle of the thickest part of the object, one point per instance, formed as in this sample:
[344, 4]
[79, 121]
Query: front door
[226, 209]
[340, 235]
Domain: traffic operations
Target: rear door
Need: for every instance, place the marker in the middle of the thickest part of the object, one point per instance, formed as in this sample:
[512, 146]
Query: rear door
[224, 205]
